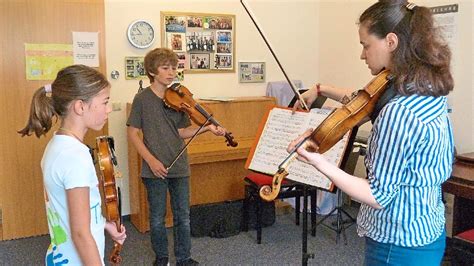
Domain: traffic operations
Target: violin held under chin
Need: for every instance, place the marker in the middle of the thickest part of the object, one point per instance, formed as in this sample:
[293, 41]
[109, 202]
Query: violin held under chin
[180, 98]
[333, 128]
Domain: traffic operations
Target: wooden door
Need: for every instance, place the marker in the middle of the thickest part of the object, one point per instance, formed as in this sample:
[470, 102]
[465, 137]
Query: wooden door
[22, 211]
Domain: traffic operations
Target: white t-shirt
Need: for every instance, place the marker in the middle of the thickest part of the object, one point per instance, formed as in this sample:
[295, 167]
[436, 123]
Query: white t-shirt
[67, 164]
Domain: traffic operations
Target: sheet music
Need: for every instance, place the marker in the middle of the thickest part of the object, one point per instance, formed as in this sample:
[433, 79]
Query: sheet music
[280, 129]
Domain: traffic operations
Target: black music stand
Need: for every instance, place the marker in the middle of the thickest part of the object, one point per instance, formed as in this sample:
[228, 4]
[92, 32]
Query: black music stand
[340, 223]
[305, 256]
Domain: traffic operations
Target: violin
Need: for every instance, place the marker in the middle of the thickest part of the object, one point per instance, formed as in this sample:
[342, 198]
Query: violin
[180, 98]
[106, 159]
[333, 128]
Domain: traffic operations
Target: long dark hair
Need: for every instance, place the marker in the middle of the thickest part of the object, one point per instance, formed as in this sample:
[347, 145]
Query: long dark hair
[76, 82]
[421, 62]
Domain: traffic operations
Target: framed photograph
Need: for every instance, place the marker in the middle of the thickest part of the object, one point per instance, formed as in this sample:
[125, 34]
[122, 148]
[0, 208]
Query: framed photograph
[223, 61]
[204, 42]
[134, 68]
[224, 48]
[199, 61]
[250, 72]
[194, 22]
[224, 36]
[218, 23]
[176, 41]
[175, 23]
[198, 41]
[181, 60]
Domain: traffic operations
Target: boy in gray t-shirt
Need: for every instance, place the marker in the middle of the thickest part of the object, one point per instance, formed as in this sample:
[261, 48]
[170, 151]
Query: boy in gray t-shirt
[164, 131]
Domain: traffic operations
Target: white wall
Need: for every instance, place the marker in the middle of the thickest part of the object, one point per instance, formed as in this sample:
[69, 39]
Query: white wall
[291, 27]
[316, 41]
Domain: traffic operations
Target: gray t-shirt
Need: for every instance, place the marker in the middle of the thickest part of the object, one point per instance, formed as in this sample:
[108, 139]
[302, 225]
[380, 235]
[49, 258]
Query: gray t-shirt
[160, 125]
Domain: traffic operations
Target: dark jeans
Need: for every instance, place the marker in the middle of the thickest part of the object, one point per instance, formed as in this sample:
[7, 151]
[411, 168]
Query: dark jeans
[179, 192]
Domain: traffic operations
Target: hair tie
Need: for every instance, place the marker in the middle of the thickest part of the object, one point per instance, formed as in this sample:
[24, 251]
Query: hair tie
[48, 88]
[410, 6]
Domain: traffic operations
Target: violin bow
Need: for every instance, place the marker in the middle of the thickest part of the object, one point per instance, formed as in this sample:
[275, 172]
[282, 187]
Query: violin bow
[292, 85]
[187, 144]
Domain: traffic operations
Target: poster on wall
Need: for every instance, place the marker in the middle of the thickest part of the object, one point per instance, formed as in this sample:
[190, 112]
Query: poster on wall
[445, 18]
[251, 72]
[43, 61]
[203, 42]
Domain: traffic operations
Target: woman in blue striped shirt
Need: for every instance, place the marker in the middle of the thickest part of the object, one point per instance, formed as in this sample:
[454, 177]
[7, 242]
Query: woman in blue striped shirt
[410, 148]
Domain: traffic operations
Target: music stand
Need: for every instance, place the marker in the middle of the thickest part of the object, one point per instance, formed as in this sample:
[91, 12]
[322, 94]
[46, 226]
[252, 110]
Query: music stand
[318, 103]
[340, 223]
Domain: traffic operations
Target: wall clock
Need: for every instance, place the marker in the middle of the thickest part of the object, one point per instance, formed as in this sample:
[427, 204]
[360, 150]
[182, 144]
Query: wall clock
[141, 34]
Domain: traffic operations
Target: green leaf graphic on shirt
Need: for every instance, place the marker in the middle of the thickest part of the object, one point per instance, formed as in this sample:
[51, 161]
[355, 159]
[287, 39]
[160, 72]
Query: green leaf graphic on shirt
[59, 235]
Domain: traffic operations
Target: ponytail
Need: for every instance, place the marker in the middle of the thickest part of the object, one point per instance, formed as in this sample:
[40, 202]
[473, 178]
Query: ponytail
[75, 82]
[427, 59]
[41, 114]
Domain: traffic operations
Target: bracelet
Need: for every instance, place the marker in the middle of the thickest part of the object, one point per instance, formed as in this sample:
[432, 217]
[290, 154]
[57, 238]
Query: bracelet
[318, 89]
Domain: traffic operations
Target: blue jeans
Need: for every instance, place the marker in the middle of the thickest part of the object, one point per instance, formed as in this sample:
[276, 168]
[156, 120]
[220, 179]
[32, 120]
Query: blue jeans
[377, 253]
[179, 193]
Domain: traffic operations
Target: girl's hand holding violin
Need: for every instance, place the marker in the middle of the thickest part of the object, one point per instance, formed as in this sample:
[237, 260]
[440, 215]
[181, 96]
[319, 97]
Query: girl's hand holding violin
[313, 158]
[116, 236]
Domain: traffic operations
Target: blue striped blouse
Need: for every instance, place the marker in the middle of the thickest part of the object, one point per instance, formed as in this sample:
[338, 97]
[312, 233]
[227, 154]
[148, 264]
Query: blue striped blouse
[410, 154]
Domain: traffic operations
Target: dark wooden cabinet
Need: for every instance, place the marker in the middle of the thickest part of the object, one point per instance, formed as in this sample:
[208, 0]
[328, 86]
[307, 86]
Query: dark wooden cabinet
[461, 185]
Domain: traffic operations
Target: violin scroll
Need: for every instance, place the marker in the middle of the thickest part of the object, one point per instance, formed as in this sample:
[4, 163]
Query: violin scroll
[115, 257]
[230, 140]
[268, 193]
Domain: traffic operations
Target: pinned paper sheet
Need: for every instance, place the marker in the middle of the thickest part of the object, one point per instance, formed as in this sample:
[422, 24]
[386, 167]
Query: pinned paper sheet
[86, 48]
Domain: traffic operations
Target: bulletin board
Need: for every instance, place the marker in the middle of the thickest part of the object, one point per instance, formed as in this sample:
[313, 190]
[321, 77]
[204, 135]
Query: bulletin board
[203, 42]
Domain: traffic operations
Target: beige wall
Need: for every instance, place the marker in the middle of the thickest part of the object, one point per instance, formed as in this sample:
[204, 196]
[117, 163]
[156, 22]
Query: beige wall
[316, 41]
